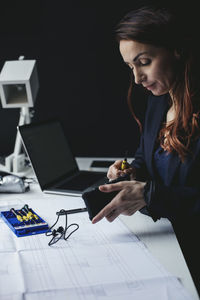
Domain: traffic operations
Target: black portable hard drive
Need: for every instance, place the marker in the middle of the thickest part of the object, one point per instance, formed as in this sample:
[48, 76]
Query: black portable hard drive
[95, 200]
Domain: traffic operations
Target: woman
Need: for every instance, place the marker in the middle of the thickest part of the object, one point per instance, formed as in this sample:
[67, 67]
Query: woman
[165, 181]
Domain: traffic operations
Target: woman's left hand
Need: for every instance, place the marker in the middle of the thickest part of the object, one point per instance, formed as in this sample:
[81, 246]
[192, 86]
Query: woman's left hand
[129, 199]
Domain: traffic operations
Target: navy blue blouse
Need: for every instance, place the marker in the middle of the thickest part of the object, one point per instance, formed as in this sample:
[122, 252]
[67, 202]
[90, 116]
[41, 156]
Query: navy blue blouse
[161, 160]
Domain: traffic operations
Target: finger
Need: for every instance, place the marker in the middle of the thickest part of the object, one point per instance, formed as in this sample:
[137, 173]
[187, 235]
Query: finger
[114, 169]
[120, 173]
[107, 188]
[106, 211]
[128, 171]
[118, 163]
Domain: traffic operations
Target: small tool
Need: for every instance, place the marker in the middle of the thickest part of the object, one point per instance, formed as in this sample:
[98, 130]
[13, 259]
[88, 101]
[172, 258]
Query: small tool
[24, 216]
[29, 212]
[18, 216]
[34, 215]
[29, 217]
[71, 211]
[125, 164]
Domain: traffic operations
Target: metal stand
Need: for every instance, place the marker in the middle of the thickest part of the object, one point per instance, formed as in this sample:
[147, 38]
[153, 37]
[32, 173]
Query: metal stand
[18, 89]
[16, 162]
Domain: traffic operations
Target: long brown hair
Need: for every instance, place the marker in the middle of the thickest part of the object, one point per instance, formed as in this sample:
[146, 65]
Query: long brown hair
[161, 28]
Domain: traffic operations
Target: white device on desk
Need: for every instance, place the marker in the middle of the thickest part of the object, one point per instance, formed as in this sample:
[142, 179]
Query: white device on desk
[18, 89]
[53, 161]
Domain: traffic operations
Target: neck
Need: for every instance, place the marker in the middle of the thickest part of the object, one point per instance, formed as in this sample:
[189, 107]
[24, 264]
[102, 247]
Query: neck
[171, 113]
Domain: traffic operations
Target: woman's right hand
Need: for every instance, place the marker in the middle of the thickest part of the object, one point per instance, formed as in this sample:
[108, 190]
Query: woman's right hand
[115, 171]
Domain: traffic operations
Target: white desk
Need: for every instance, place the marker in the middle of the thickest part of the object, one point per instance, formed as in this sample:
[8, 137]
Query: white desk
[158, 237]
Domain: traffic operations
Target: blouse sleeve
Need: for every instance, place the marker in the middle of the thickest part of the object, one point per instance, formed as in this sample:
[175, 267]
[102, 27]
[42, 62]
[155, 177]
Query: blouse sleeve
[172, 202]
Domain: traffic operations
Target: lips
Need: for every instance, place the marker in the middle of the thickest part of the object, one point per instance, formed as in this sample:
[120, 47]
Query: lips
[150, 86]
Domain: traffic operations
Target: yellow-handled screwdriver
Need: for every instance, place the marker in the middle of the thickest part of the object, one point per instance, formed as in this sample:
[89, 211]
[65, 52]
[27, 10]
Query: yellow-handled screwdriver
[24, 216]
[19, 218]
[125, 164]
[28, 215]
[30, 212]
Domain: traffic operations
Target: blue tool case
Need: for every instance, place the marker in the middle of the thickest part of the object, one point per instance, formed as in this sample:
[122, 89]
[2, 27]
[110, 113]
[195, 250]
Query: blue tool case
[24, 228]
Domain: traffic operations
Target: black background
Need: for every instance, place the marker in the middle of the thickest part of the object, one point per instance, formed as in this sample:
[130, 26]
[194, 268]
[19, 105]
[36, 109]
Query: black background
[83, 81]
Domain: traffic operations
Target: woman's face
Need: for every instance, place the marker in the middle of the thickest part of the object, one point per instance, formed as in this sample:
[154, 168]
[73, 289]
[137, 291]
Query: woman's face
[152, 67]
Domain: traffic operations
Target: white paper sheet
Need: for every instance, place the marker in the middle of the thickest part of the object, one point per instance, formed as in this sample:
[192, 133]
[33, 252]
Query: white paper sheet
[103, 261]
[151, 290]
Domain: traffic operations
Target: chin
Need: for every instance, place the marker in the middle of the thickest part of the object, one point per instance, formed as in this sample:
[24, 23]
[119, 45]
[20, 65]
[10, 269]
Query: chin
[158, 93]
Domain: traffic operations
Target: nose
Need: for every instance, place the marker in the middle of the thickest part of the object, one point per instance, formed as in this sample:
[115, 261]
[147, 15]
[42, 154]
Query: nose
[139, 76]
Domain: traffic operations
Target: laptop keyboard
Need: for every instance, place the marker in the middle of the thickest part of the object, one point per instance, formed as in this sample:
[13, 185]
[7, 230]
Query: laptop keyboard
[81, 181]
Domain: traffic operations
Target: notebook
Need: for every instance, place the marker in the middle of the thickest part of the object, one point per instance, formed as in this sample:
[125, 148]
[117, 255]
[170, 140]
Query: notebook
[53, 162]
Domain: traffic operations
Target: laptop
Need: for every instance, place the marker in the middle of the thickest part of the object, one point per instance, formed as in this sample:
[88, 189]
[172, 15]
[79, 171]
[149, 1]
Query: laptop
[52, 160]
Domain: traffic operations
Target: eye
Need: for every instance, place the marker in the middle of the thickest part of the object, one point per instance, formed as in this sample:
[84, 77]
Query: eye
[144, 61]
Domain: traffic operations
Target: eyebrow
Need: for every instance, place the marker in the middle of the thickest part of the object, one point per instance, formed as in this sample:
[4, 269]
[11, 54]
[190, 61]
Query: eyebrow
[139, 54]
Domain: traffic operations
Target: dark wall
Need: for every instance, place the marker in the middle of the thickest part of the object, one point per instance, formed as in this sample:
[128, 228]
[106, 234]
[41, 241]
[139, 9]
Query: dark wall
[83, 81]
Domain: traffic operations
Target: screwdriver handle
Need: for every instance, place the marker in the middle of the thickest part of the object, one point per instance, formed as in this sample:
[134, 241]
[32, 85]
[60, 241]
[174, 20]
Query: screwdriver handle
[19, 218]
[124, 164]
[35, 216]
[24, 217]
[30, 212]
[28, 215]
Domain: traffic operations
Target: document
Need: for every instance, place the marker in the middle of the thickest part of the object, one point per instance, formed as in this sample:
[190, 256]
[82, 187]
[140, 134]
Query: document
[104, 261]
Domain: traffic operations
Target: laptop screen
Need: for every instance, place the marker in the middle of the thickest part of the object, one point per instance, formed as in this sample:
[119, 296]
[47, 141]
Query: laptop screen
[48, 151]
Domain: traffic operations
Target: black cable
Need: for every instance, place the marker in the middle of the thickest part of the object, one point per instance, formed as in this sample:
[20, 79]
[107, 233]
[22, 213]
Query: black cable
[60, 232]
[67, 227]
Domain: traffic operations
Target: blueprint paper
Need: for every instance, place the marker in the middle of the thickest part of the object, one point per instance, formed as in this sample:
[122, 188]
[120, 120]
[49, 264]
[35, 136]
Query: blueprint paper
[104, 261]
